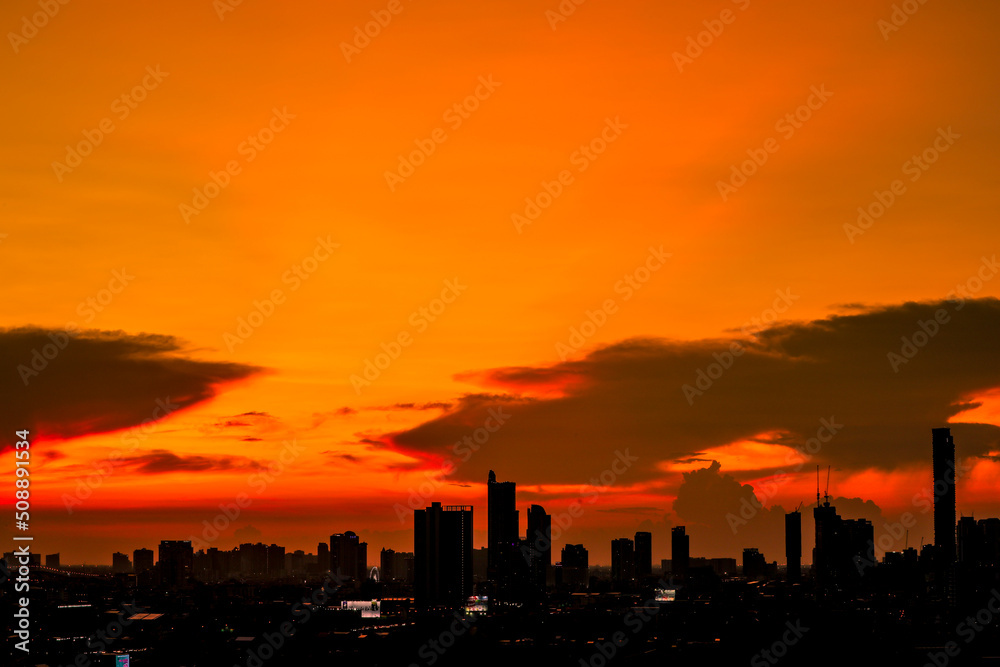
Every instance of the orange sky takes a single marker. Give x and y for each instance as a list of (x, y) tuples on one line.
[(315, 195)]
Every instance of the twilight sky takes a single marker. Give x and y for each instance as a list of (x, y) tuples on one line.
[(302, 265)]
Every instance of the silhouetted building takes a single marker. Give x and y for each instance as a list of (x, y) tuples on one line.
[(175, 560), (393, 565), (442, 553), (680, 550), (503, 539), (841, 544), (52, 560), (120, 563), (363, 570), (643, 554), (793, 545), (142, 560), (539, 546), (622, 561), (275, 560), (943, 451), (323, 556), (754, 563), (297, 562), (344, 555), (575, 566), (480, 564)]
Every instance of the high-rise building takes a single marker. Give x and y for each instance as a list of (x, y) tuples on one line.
[(623, 561), (323, 556), (575, 566), (120, 563), (175, 560), (142, 560), (363, 571), (52, 560), (680, 550), (345, 549), (943, 453), (442, 554), (539, 543), (503, 538), (840, 545), (754, 563), (643, 554), (793, 545), (275, 560)]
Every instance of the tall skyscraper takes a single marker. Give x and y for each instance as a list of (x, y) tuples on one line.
[(323, 556), (503, 538), (643, 554), (575, 566), (344, 552), (754, 563), (622, 561), (175, 560), (680, 550), (943, 452), (793, 545), (142, 560), (120, 563), (52, 560), (539, 542), (442, 554)]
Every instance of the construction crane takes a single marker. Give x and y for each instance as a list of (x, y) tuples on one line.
[(817, 485)]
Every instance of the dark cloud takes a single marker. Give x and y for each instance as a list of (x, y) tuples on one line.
[(722, 516), (98, 381), (790, 377), (415, 406), (250, 439), (161, 461)]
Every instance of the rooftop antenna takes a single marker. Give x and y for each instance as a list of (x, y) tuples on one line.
[(817, 485), (826, 496), (907, 540)]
